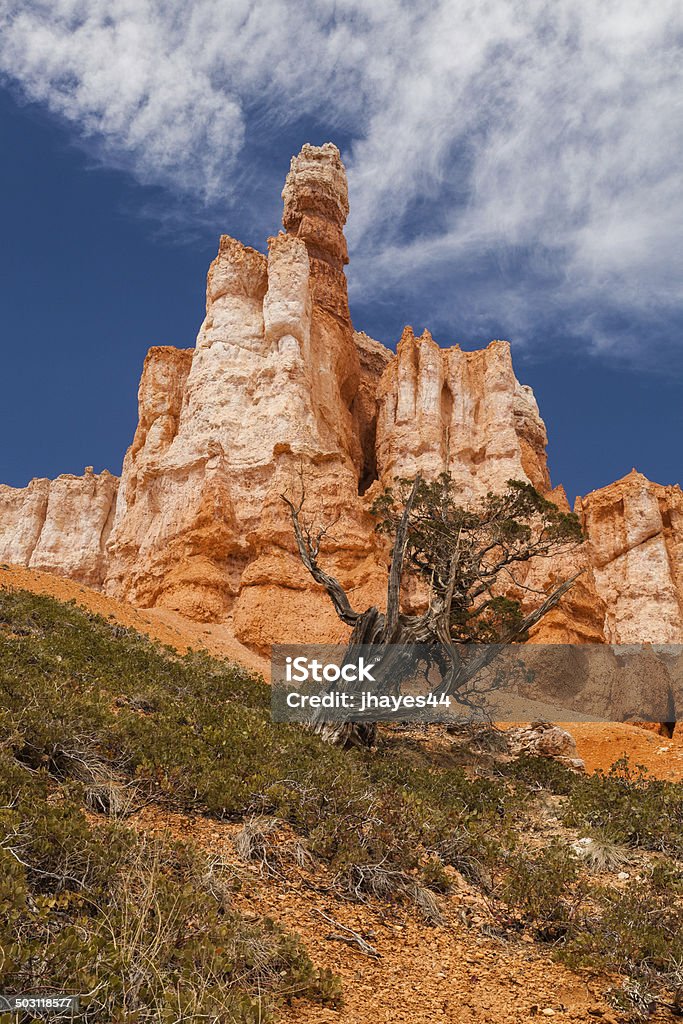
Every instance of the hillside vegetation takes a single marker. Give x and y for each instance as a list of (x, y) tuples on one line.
[(97, 721)]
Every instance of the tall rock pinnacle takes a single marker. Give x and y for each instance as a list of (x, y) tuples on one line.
[(316, 205)]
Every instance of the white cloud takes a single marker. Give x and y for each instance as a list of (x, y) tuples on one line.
[(481, 128)]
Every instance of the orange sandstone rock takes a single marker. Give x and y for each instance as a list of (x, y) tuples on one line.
[(262, 406), (461, 412), (59, 525), (635, 535)]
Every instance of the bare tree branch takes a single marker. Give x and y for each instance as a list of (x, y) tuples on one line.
[(396, 569), (544, 608), (308, 552)]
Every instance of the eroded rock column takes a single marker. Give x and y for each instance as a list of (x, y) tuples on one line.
[(461, 412)]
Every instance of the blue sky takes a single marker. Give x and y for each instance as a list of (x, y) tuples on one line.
[(514, 172)]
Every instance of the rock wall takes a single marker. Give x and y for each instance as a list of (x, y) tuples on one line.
[(279, 392), (635, 535), (445, 410), (374, 359), (61, 525), (631, 587)]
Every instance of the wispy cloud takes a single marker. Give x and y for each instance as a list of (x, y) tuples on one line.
[(546, 134)]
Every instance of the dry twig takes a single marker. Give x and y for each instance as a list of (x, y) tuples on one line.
[(350, 937)]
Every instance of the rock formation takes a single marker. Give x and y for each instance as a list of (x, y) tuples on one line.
[(279, 392), (461, 412), (269, 399), (59, 525), (635, 531)]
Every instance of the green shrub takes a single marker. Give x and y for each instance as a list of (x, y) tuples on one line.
[(543, 890), (542, 773), (196, 733), (630, 808), (434, 876), (637, 934)]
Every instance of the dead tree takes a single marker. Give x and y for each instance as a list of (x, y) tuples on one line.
[(465, 557)]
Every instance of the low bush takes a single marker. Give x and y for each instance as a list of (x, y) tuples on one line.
[(542, 773), (195, 733), (543, 890), (636, 933), (631, 808)]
